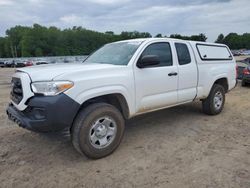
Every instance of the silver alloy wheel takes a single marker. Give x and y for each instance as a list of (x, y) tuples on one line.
[(102, 132), (218, 100)]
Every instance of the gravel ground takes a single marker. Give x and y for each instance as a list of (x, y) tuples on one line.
[(176, 147)]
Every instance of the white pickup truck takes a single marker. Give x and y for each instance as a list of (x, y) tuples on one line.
[(119, 81)]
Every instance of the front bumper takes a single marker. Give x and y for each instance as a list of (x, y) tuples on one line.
[(246, 78), (45, 113)]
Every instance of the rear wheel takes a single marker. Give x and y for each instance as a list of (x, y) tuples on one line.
[(214, 103), (97, 130)]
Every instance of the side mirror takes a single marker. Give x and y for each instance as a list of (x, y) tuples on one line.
[(148, 61)]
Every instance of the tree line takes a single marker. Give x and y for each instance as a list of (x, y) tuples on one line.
[(37, 41), (235, 41)]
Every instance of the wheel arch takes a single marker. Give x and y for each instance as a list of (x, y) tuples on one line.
[(223, 81), (118, 100), (204, 91)]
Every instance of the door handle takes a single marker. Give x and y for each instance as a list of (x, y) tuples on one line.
[(173, 74)]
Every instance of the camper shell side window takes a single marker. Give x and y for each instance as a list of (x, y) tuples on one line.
[(209, 52)]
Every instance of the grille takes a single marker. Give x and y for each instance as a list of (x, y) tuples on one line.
[(17, 91)]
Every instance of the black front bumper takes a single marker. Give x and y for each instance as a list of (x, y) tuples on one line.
[(45, 113), (246, 78)]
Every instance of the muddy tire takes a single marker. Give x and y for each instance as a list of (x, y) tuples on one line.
[(214, 103), (97, 130)]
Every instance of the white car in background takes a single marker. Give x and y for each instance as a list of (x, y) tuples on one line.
[(247, 52)]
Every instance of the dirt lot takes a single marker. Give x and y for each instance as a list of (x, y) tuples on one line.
[(177, 147)]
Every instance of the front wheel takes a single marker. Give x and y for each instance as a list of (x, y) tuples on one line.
[(97, 130), (214, 103)]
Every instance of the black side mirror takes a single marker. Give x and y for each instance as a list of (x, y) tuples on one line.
[(148, 61)]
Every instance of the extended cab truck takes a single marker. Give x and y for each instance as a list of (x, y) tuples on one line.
[(120, 80)]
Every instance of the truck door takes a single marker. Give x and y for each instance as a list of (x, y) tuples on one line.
[(156, 86), (188, 77)]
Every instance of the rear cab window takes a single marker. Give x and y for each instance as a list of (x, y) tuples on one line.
[(182, 53), (209, 52)]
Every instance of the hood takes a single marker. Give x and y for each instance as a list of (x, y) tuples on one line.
[(49, 72)]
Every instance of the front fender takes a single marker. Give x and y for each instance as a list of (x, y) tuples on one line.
[(106, 90)]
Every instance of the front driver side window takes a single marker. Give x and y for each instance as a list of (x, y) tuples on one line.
[(162, 50)]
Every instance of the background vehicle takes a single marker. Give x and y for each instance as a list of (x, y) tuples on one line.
[(66, 60), (119, 81), (28, 63), (40, 62), (241, 67), (246, 52), (10, 64), (15, 63), (2, 64), (247, 61), (236, 53), (246, 76), (19, 63)]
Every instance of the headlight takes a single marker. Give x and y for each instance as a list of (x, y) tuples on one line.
[(51, 88)]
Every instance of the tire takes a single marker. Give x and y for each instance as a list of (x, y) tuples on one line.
[(243, 83), (212, 105), (83, 133)]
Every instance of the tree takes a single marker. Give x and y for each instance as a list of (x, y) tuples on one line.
[(246, 40), (134, 34), (201, 37), (234, 41), (158, 35), (38, 52), (220, 38), (177, 36), (109, 32), (2, 51), (14, 36), (38, 40)]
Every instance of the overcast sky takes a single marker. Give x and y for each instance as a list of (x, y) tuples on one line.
[(185, 17)]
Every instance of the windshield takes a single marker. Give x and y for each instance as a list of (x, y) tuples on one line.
[(114, 53)]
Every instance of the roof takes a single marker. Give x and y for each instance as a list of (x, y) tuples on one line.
[(168, 39)]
